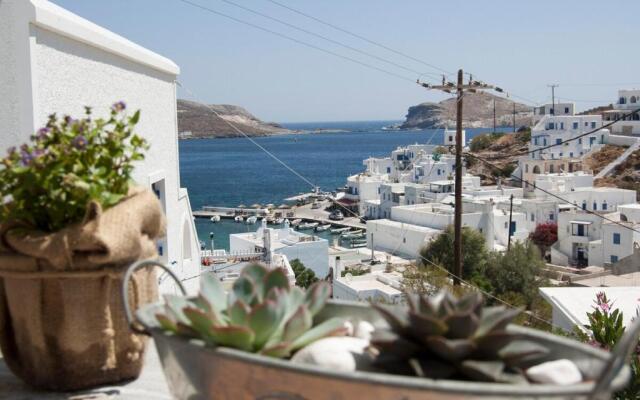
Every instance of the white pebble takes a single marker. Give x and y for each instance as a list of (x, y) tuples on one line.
[(340, 353), (364, 330), (558, 372)]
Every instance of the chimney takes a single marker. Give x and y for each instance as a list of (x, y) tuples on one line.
[(338, 268)]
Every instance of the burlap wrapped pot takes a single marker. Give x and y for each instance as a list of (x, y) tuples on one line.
[(62, 324)]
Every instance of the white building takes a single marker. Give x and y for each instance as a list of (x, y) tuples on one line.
[(555, 130), (552, 109), (54, 61), (362, 188), (586, 239), (312, 251), (450, 137), (570, 305), (399, 238), (628, 100)]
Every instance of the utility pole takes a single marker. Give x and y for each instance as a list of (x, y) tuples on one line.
[(553, 87), (459, 89), (494, 115), (510, 216)]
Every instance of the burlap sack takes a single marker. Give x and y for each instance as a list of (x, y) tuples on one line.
[(62, 324)]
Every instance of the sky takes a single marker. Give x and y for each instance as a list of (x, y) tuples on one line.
[(587, 47)]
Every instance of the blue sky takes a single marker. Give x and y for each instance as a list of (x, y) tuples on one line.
[(521, 46)]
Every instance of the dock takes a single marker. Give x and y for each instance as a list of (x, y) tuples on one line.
[(305, 213)]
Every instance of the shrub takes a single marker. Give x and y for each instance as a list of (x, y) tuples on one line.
[(305, 277), (69, 163), (544, 236)]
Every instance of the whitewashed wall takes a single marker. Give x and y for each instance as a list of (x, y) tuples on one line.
[(55, 61)]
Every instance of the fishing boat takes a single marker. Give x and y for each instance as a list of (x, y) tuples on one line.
[(215, 218), (337, 231), (352, 234), (251, 220), (296, 222), (322, 228), (238, 218), (308, 225)]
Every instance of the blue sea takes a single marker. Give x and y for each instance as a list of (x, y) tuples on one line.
[(233, 171)]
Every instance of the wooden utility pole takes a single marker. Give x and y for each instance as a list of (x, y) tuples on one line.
[(459, 89), (494, 115), (510, 219)]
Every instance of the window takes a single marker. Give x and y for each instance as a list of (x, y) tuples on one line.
[(560, 155), (579, 229), (551, 111), (535, 141), (561, 125), (450, 138), (544, 141), (526, 168), (592, 140), (575, 125), (533, 217), (584, 205), (404, 240), (566, 110), (632, 99), (571, 154), (558, 141), (614, 259), (622, 100), (388, 170), (551, 217), (595, 206), (579, 139), (593, 125), (551, 168), (604, 205), (616, 238)]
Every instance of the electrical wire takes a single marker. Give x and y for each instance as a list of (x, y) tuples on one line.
[(308, 32), (282, 35), (504, 171)]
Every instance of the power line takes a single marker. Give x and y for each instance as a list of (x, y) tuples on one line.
[(327, 38), (282, 35), (373, 42), (549, 193), (526, 152), (601, 84)]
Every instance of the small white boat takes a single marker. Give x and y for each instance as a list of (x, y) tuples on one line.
[(308, 225), (322, 228), (352, 234), (337, 231), (279, 221), (251, 220), (215, 218), (238, 218), (356, 245), (296, 222)]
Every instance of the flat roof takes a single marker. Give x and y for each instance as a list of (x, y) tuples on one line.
[(576, 302), (403, 225)]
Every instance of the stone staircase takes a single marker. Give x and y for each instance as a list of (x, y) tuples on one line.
[(609, 167)]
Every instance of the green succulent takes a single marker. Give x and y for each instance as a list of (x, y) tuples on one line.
[(262, 313), (445, 338)]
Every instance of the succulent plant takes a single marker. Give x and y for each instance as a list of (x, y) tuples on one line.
[(261, 314), (445, 338)]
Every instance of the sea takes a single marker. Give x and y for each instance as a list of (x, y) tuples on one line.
[(233, 171)]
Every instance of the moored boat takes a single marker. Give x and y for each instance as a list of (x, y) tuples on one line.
[(279, 221), (296, 222), (308, 225), (352, 234), (215, 218), (252, 219), (322, 228), (238, 218), (337, 231)]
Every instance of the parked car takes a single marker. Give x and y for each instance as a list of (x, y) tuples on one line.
[(316, 205), (336, 216)]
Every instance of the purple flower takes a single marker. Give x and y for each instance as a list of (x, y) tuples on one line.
[(68, 120), (11, 150), (119, 106), (79, 142), (26, 158), (43, 133)]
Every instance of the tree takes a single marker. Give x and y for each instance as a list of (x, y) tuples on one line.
[(305, 277), (474, 253), (516, 271), (544, 236)]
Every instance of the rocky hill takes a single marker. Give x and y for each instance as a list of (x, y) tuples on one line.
[(477, 113), (196, 120)]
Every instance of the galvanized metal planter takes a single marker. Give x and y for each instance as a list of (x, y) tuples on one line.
[(194, 371)]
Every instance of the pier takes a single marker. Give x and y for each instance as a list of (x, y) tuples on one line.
[(304, 212)]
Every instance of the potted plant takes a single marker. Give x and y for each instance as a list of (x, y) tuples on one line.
[(71, 220), (438, 348)]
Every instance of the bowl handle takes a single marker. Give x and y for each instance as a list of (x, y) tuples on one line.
[(619, 357), (131, 321)]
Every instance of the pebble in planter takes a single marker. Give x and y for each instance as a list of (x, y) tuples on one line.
[(262, 313), (447, 338)]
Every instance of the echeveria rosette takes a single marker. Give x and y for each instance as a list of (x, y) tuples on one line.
[(445, 338), (263, 313), (48, 183)]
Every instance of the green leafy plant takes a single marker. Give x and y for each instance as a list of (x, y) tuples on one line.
[(261, 314), (69, 163), (605, 329), (305, 277), (442, 337)]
